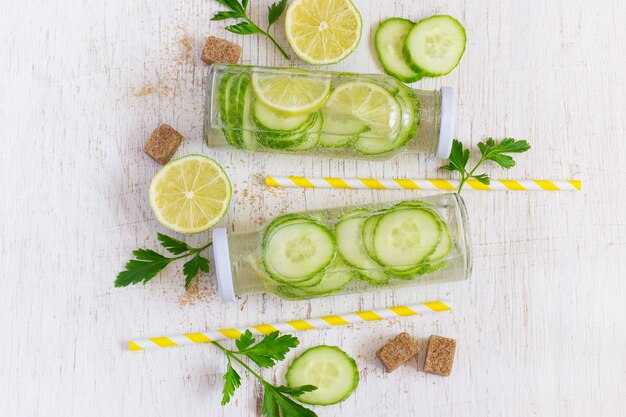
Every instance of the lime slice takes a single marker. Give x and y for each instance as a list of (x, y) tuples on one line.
[(323, 32), (368, 103), (291, 93), (190, 194)]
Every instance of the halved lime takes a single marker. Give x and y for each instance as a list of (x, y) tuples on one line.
[(368, 103), (291, 93), (323, 32), (190, 194)]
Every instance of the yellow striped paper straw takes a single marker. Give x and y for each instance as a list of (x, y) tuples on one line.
[(422, 184), (289, 326)]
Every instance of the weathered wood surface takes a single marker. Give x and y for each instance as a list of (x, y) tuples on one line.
[(541, 324)]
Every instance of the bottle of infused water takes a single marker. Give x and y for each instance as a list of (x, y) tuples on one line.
[(347, 250), (333, 114)]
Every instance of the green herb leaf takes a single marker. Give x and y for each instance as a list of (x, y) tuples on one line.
[(174, 246), (232, 381), (193, 266), (497, 152), (274, 12), (483, 178), (458, 157), (233, 5), (275, 402), (146, 266), (245, 340), (226, 15), (296, 391), (245, 4), (270, 349), (243, 28)]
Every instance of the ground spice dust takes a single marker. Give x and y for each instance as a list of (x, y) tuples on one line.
[(199, 290)]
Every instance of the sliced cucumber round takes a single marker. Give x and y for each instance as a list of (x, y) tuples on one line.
[(368, 235), (312, 138), (330, 369), (404, 238), (334, 278), (389, 41), (248, 138), (349, 235), (410, 118), (434, 46), (270, 119), (236, 110), (295, 250), (339, 130), (283, 140)]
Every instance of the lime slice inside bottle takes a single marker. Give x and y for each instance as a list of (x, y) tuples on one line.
[(293, 94), (323, 32), (190, 194), (368, 103)]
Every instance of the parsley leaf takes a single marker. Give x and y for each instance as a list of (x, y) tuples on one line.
[(148, 263), (193, 266), (247, 26), (146, 266), (270, 349), (174, 246), (245, 341), (489, 151), (232, 381), (274, 12), (274, 401), (243, 28)]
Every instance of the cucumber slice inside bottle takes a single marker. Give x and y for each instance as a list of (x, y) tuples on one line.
[(337, 276), (404, 238), (368, 236), (236, 109), (295, 250), (270, 119), (248, 138), (434, 46), (330, 369), (350, 246), (410, 118), (312, 138), (389, 41), (284, 140), (338, 130)]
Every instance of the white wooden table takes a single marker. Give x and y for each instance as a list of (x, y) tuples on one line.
[(541, 324)]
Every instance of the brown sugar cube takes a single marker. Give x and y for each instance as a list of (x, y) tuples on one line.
[(162, 143), (397, 351), (440, 355), (220, 51)]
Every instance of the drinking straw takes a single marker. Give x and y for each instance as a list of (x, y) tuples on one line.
[(289, 326), (421, 184)]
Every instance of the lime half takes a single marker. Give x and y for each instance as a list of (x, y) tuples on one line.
[(360, 101), (323, 32), (293, 94), (190, 194)]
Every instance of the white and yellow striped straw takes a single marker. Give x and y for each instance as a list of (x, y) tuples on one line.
[(422, 184), (289, 326)]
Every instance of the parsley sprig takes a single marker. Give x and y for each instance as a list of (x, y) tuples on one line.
[(248, 27), (489, 151), (266, 353), (148, 263)]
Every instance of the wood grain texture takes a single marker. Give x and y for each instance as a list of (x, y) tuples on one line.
[(541, 324)]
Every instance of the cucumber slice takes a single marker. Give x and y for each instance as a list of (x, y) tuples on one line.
[(389, 40), (349, 234), (226, 97), (368, 236), (312, 137), (248, 138), (330, 369), (336, 277), (283, 140), (410, 118), (270, 119), (435, 45), (297, 249), (236, 106), (404, 238), (339, 130)]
